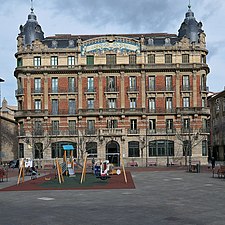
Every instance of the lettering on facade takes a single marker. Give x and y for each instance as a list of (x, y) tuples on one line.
[(116, 46)]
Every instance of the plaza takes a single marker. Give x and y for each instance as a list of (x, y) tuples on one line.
[(160, 197)]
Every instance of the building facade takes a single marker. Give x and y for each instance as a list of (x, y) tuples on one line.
[(217, 110), (140, 97), (8, 133)]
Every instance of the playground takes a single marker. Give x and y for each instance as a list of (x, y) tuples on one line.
[(69, 175), (50, 182)]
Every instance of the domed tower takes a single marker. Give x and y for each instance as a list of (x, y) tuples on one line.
[(31, 30), (190, 27)]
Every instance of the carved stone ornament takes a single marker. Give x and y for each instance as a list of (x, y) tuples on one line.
[(185, 42)]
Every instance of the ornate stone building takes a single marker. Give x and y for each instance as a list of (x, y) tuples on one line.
[(8, 133), (217, 118), (140, 96)]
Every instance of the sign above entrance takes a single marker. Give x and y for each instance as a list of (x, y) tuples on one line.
[(117, 46)]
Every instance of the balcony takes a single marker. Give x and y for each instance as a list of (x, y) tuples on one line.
[(133, 131), (193, 110), (31, 113), (19, 92), (186, 88), (62, 90), (112, 131), (37, 91), (112, 89), (133, 89), (161, 131), (116, 67)]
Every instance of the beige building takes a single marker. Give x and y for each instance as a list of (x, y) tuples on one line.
[(139, 96), (8, 134)]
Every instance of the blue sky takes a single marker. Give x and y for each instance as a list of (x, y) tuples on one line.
[(107, 17)]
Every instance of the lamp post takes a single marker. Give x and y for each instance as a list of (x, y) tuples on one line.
[(1, 81)]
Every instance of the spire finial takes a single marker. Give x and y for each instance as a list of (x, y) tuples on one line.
[(32, 6), (189, 6)]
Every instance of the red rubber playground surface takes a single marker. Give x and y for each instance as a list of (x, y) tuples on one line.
[(50, 182)]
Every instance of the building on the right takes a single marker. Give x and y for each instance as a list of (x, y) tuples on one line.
[(217, 111)]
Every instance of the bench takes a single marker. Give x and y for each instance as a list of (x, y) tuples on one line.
[(152, 163), (220, 172), (48, 167), (195, 166), (132, 164)]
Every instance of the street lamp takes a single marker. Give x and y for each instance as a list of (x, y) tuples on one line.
[(1, 81)]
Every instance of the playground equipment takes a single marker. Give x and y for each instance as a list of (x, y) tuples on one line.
[(103, 169), (67, 167), (26, 168)]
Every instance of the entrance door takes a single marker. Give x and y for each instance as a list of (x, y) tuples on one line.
[(113, 153)]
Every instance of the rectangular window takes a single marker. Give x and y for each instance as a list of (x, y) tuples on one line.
[(151, 83), (133, 126), (133, 103), (132, 59), (169, 126), (169, 104), (54, 61), (37, 105), (111, 83), (91, 148), (37, 61), (90, 84), (110, 59), (71, 61), (204, 148), (151, 59), (185, 58), (168, 58), (112, 123), (204, 102), (112, 103), (169, 83), (38, 130), (71, 84), (205, 126), (203, 59), (72, 106), (133, 149), (72, 127), (38, 150), (203, 83), (90, 59), (90, 104), (37, 85), (187, 148), (55, 127), (152, 126), (186, 102), (21, 150), (90, 127), (19, 62), (55, 107), (21, 129), (54, 85), (132, 83), (151, 105), (186, 83), (186, 125)]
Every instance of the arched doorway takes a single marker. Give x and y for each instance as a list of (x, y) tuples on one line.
[(113, 153)]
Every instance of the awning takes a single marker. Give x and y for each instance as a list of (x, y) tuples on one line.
[(68, 147)]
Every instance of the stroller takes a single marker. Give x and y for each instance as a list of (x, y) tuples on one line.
[(34, 173)]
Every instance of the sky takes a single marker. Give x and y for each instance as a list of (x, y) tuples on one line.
[(110, 17)]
